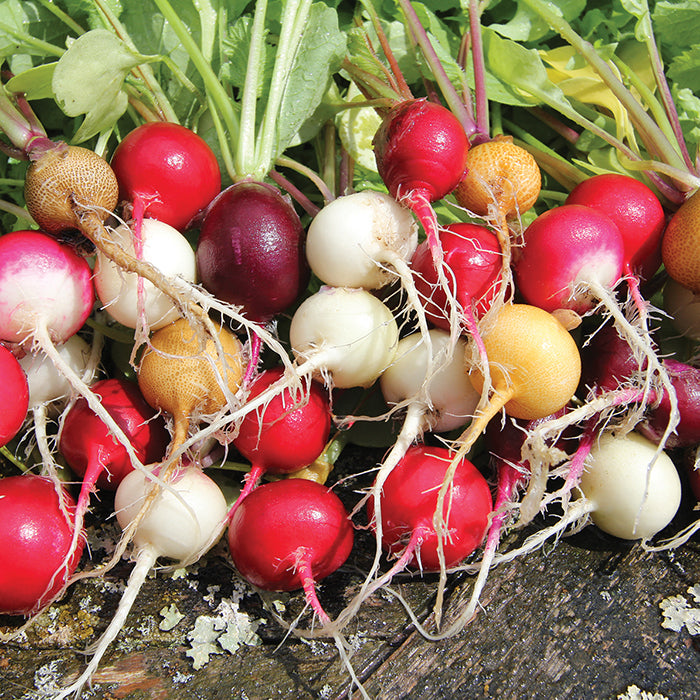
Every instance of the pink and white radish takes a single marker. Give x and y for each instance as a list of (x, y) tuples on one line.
[(179, 520), (585, 255), (46, 294), (37, 526)]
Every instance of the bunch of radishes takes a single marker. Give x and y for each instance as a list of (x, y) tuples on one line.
[(531, 330)]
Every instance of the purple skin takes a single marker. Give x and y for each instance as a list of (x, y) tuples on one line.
[(608, 362), (251, 250)]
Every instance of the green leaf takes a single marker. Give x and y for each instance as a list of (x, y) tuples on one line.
[(677, 22), (527, 26), (319, 56), (685, 69), (89, 79), (520, 71), (35, 83)]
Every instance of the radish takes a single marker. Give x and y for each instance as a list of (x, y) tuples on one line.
[(46, 294), (473, 263), (302, 533), (167, 170), (440, 402), (585, 252), (90, 450), (250, 250), (131, 300), (363, 239), (502, 183), (344, 334), (37, 525), (679, 245), (421, 151), (502, 180), (188, 379), (286, 434), (409, 501), (180, 521), (635, 210), (630, 493), (50, 389), (15, 396)]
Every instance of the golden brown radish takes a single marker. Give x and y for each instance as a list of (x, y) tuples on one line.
[(185, 377)]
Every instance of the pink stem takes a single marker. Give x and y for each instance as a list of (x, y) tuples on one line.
[(418, 202), (255, 350), (252, 479), (309, 584)]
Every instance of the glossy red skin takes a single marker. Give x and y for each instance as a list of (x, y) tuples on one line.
[(171, 168), (36, 537), (86, 443), (278, 439), (635, 209), (14, 396), (473, 254), (421, 147), (409, 500), (566, 245), (251, 250), (282, 522)]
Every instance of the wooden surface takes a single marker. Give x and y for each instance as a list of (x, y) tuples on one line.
[(579, 619)]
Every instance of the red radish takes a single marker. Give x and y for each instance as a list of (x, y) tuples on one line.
[(179, 519), (635, 210), (250, 250), (288, 433), (472, 265), (14, 396), (88, 446), (409, 501), (36, 525), (473, 256), (290, 534), (170, 169), (421, 150)]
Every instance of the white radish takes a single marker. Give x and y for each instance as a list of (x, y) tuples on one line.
[(633, 491), (125, 295), (180, 522), (344, 334)]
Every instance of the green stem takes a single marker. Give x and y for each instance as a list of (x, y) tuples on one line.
[(58, 12), (294, 19), (652, 136), (13, 460), (43, 46), (20, 212), (245, 154)]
